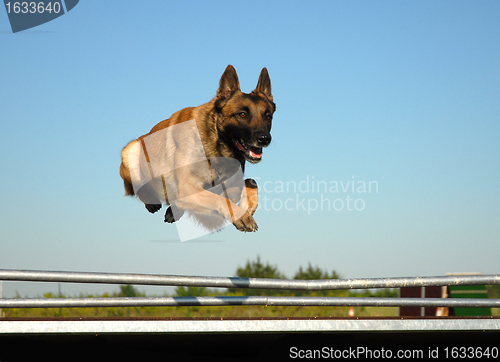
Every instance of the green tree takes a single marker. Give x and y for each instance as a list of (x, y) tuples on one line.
[(129, 291), (315, 273), (190, 291)]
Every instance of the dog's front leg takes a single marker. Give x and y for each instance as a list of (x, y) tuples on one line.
[(195, 199), (251, 201), (192, 196), (252, 195)]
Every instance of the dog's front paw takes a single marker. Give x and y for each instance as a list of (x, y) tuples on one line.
[(246, 223)]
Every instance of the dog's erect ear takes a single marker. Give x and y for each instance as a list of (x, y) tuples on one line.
[(264, 85), (228, 83)]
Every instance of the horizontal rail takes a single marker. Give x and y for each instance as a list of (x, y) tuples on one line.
[(235, 282), (242, 301)]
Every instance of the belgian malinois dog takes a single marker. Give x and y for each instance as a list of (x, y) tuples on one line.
[(188, 160)]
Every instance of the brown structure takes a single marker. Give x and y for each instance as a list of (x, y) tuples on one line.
[(419, 292)]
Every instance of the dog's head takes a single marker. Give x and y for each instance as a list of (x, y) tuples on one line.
[(245, 119)]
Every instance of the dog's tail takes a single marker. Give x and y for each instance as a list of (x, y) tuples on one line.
[(125, 171)]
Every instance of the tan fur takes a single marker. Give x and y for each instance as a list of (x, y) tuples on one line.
[(234, 125)]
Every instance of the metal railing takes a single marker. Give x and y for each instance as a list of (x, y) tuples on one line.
[(253, 283)]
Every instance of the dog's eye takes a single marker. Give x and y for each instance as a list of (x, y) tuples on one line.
[(268, 117), (242, 114)]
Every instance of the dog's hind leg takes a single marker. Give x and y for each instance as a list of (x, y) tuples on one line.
[(170, 217), (147, 194), (152, 208)]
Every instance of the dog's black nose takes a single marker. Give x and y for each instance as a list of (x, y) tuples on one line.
[(264, 139)]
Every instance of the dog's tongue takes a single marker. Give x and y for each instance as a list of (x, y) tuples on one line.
[(255, 152)]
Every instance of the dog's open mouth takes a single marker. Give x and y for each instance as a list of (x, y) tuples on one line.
[(252, 154)]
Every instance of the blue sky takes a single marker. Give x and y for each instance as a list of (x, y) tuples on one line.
[(401, 94)]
